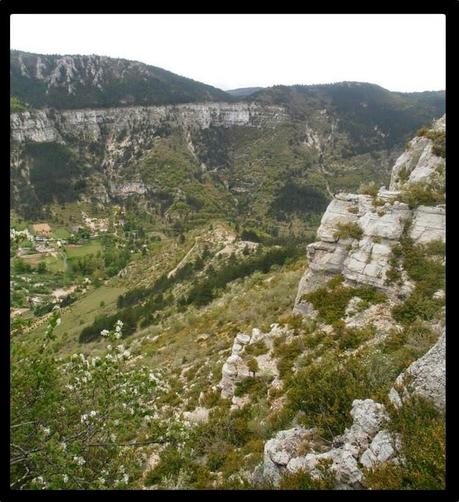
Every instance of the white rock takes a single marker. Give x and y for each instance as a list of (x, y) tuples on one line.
[(429, 224), (425, 377), (197, 416), (243, 339), (383, 448)]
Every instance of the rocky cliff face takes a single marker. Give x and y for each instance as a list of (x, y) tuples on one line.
[(358, 232), (357, 237), (102, 124), (367, 443), (112, 140)]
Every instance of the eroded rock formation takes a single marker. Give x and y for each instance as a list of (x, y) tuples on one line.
[(357, 231)]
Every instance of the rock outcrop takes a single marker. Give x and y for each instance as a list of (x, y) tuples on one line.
[(236, 369), (105, 123), (283, 453), (419, 162), (426, 377), (366, 443), (356, 239), (357, 232)]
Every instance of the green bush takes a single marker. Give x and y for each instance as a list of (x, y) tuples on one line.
[(257, 348), (422, 194), (423, 448), (331, 303), (348, 231), (417, 306), (286, 353), (369, 189), (170, 464), (302, 480), (250, 385), (16, 105), (324, 391), (351, 338)]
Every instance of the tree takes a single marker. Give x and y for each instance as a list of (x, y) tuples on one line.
[(252, 364), (42, 269), (73, 420), (20, 266)]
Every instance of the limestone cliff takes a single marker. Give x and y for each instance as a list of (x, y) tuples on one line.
[(357, 238), (105, 123), (358, 231)]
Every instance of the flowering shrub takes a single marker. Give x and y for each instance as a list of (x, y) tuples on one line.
[(82, 422)]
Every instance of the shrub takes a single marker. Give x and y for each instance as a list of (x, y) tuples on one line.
[(287, 353), (302, 480), (422, 429), (422, 194), (348, 231), (170, 464), (257, 348), (403, 174), (392, 275), (369, 189), (250, 385), (325, 390), (331, 303), (252, 365), (417, 306), (351, 338)]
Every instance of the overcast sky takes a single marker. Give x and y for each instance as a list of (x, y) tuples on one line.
[(398, 52)]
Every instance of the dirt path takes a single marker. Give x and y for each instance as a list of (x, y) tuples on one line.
[(182, 261)]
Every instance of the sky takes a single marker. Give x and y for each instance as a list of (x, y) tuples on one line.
[(401, 52)]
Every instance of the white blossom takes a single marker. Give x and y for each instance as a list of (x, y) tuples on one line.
[(79, 460)]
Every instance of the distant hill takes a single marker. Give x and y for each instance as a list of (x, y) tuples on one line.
[(99, 81), (244, 91), (359, 106)]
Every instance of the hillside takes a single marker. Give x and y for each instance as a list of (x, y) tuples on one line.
[(360, 107), (74, 81), (243, 91), (214, 382), (270, 160), (215, 290)]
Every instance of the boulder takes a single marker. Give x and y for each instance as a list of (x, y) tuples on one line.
[(198, 416), (383, 448), (426, 377)]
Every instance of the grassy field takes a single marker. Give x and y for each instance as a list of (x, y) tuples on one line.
[(53, 263), (89, 248), (81, 314), (56, 263), (61, 233)]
